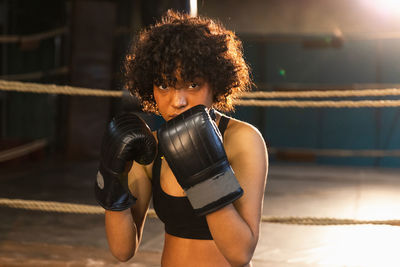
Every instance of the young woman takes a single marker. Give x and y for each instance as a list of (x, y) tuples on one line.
[(205, 171)]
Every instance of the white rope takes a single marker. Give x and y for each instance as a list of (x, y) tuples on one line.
[(320, 104), (337, 152), (22, 150), (55, 89), (69, 90), (32, 37), (35, 75), (53, 206), (321, 93)]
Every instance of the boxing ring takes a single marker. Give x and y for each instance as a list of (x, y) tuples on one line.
[(313, 215)]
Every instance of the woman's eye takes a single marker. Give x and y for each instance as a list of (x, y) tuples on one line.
[(163, 87), (193, 85)]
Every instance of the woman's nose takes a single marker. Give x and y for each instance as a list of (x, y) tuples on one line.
[(179, 99)]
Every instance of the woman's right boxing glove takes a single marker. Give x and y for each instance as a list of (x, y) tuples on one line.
[(127, 139)]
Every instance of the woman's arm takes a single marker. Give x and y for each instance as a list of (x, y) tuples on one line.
[(235, 228), (124, 228)]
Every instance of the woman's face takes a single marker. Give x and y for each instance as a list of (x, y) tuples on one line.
[(173, 100)]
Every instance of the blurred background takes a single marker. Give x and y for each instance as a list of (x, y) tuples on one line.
[(324, 162), (290, 45)]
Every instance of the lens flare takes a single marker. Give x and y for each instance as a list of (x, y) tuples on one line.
[(384, 7), (193, 8)]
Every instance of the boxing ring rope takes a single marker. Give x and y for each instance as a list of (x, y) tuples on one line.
[(25, 149), (60, 207), (338, 152), (320, 104), (35, 75), (325, 93), (51, 206), (33, 37), (70, 90), (22, 150), (38, 88)]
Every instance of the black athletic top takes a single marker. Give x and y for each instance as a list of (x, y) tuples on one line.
[(176, 212)]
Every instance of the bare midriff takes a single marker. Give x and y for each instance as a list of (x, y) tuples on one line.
[(191, 252)]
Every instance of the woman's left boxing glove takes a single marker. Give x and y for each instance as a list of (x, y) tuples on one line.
[(127, 139), (192, 146)]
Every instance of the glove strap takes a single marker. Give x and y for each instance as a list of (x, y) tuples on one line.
[(110, 193), (214, 193)]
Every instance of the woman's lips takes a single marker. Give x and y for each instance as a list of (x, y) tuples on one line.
[(172, 116)]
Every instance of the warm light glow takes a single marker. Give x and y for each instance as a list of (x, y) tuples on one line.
[(370, 196), (193, 8), (330, 246), (367, 246), (361, 245), (379, 205), (385, 7)]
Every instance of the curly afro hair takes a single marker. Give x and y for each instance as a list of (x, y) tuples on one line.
[(193, 46)]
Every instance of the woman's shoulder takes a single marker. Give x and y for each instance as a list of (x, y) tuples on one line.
[(242, 135), (237, 128), (247, 154)]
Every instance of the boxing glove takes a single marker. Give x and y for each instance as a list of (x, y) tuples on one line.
[(126, 139), (192, 145)]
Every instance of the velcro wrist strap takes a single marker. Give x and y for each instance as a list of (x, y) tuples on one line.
[(110, 193), (112, 176), (214, 193)]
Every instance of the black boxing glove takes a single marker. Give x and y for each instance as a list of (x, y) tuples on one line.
[(192, 145), (127, 139)]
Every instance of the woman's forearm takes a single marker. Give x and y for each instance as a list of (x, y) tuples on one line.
[(232, 235), (121, 234)]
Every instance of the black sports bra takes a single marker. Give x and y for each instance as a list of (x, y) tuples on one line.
[(176, 212)]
